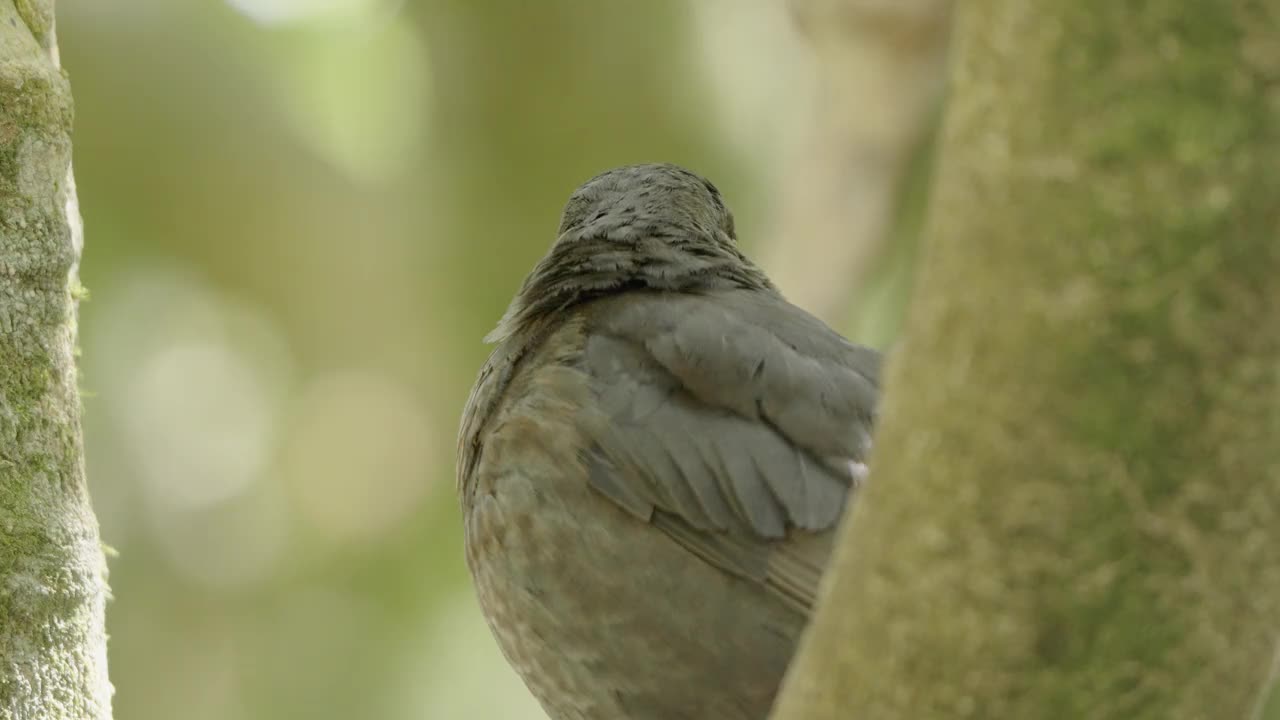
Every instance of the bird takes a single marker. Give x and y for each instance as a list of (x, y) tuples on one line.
[(654, 459)]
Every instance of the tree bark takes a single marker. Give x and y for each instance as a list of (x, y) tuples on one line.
[(1074, 508), (53, 659)]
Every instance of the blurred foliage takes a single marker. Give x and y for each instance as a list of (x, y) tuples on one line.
[(301, 216)]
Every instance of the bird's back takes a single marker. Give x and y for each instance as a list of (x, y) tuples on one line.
[(606, 613), (653, 461)]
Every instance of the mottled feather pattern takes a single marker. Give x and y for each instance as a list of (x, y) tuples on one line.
[(654, 460), (572, 586)]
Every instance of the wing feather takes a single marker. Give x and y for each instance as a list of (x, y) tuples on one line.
[(735, 422)]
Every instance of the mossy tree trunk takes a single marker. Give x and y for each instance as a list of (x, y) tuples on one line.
[(1074, 510), (53, 659)]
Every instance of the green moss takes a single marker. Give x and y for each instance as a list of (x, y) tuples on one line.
[(38, 17), (1077, 462), (36, 100), (51, 568)]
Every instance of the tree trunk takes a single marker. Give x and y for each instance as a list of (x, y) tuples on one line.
[(53, 658), (1074, 510)]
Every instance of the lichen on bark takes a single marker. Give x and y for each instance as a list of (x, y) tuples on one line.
[(1074, 508), (52, 569)]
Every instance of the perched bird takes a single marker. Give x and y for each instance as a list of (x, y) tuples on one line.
[(654, 459)]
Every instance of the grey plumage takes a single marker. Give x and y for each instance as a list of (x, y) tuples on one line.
[(653, 393)]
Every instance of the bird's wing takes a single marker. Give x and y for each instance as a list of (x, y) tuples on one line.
[(735, 422)]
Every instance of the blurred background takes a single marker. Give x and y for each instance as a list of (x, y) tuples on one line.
[(302, 216)]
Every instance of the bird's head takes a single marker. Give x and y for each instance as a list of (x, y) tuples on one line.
[(649, 227), (655, 200)]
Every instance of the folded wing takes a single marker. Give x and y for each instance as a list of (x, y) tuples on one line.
[(735, 422)]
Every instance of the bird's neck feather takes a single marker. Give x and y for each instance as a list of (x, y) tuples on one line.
[(588, 268)]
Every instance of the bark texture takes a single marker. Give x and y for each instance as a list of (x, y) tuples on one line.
[(53, 659), (1074, 508)]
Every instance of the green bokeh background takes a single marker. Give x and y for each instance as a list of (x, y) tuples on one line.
[(301, 217)]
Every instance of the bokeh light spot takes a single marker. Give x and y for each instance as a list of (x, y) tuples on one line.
[(357, 458), (280, 12), (356, 96)]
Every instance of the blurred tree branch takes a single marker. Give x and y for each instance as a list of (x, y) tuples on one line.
[(881, 67), (1074, 509), (53, 659)]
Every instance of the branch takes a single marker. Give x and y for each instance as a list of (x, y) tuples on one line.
[(53, 660)]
